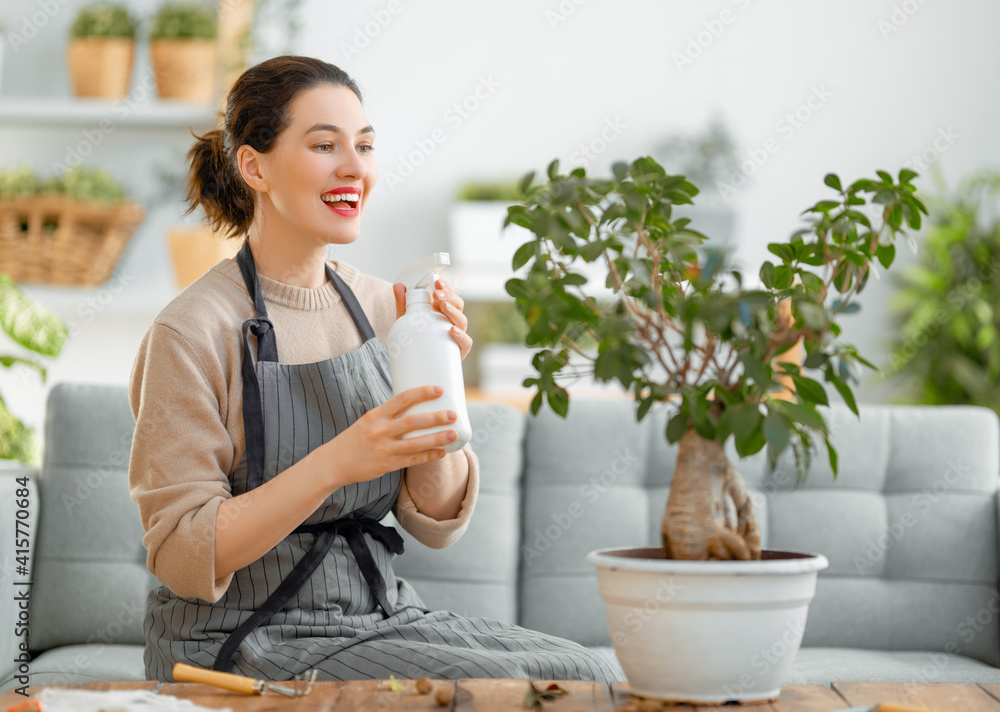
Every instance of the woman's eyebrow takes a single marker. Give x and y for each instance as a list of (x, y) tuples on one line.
[(336, 129)]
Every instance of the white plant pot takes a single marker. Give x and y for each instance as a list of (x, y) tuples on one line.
[(705, 632)]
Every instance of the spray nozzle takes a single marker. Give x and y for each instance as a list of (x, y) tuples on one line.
[(420, 276)]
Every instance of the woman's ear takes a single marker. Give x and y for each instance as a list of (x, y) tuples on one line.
[(249, 163)]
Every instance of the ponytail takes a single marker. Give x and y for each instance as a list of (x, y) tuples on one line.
[(214, 184)]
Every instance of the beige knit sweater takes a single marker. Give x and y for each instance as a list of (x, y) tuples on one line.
[(186, 396)]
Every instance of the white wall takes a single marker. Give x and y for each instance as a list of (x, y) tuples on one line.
[(552, 76)]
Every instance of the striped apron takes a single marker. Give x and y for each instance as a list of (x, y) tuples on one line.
[(325, 597)]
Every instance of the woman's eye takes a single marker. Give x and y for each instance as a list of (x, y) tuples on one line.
[(325, 145), (366, 148)]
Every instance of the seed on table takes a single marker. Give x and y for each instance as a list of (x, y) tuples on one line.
[(425, 686), (444, 696)]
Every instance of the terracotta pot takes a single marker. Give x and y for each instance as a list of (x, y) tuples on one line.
[(184, 69), (100, 67), (195, 250), (698, 631)]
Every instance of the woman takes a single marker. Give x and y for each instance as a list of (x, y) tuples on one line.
[(268, 444)]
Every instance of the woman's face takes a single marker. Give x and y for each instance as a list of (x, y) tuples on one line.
[(326, 149)]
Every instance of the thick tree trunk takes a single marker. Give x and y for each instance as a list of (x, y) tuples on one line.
[(709, 514)]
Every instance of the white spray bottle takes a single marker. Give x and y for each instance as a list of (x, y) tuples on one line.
[(423, 353)]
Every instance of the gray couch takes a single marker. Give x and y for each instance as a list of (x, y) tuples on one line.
[(909, 527)]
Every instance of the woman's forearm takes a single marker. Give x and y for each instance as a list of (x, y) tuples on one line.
[(251, 524), (438, 487)]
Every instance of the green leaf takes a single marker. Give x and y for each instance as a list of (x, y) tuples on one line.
[(553, 169), (8, 361), (620, 170), (524, 253), (676, 427), (906, 175), (767, 274), (833, 457), (559, 400), (832, 180), (815, 360), (526, 181), (810, 390), (782, 250), (777, 431), (805, 414), (886, 254), (884, 176), (755, 369), (845, 392)]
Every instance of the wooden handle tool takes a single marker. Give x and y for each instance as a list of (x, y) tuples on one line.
[(225, 680)]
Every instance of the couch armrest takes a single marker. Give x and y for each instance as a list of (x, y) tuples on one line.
[(15, 591)]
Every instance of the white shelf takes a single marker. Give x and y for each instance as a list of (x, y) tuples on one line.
[(66, 111)]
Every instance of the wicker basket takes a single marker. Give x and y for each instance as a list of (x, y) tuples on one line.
[(100, 67), (184, 69), (53, 239)]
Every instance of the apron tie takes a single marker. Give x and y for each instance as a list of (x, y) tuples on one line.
[(353, 531)]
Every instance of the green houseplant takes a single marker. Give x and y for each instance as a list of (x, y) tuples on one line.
[(101, 51), (684, 332), (948, 347), (182, 45), (39, 331)]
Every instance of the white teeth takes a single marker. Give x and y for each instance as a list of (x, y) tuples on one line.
[(333, 198)]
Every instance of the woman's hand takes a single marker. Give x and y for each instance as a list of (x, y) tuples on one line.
[(373, 444), (448, 303)]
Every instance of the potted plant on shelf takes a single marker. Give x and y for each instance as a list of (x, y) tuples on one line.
[(683, 332), (183, 51), (101, 51), (69, 230), (38, 331), (948, 347)]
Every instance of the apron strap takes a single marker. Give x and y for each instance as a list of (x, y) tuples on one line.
[(353, 306), (353, 530)]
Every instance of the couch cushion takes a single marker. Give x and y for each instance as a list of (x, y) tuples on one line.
[(821, 666), (78, 664), (477, 575), (90, 576), (909, 527)]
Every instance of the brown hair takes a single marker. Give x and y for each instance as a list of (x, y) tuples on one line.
[(256, 114)]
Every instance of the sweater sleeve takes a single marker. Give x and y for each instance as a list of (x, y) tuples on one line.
[(181, 454), (432, 532)]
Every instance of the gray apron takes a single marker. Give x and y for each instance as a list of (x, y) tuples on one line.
[(325, 597)]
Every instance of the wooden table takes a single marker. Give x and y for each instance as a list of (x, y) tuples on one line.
[(483, 695)]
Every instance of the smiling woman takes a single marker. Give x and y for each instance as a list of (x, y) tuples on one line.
[(261, 479)]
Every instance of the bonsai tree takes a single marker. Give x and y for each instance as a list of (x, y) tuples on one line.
[(183, 20), (688, 330), (102, 19)]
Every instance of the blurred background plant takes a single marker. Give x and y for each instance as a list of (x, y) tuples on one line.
[(184, 20), (948, 308), (704, 158), (77, 182), (103, 20), (38, 331), (494, 190)]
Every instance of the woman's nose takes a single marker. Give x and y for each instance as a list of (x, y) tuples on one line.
[(352, 166)]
